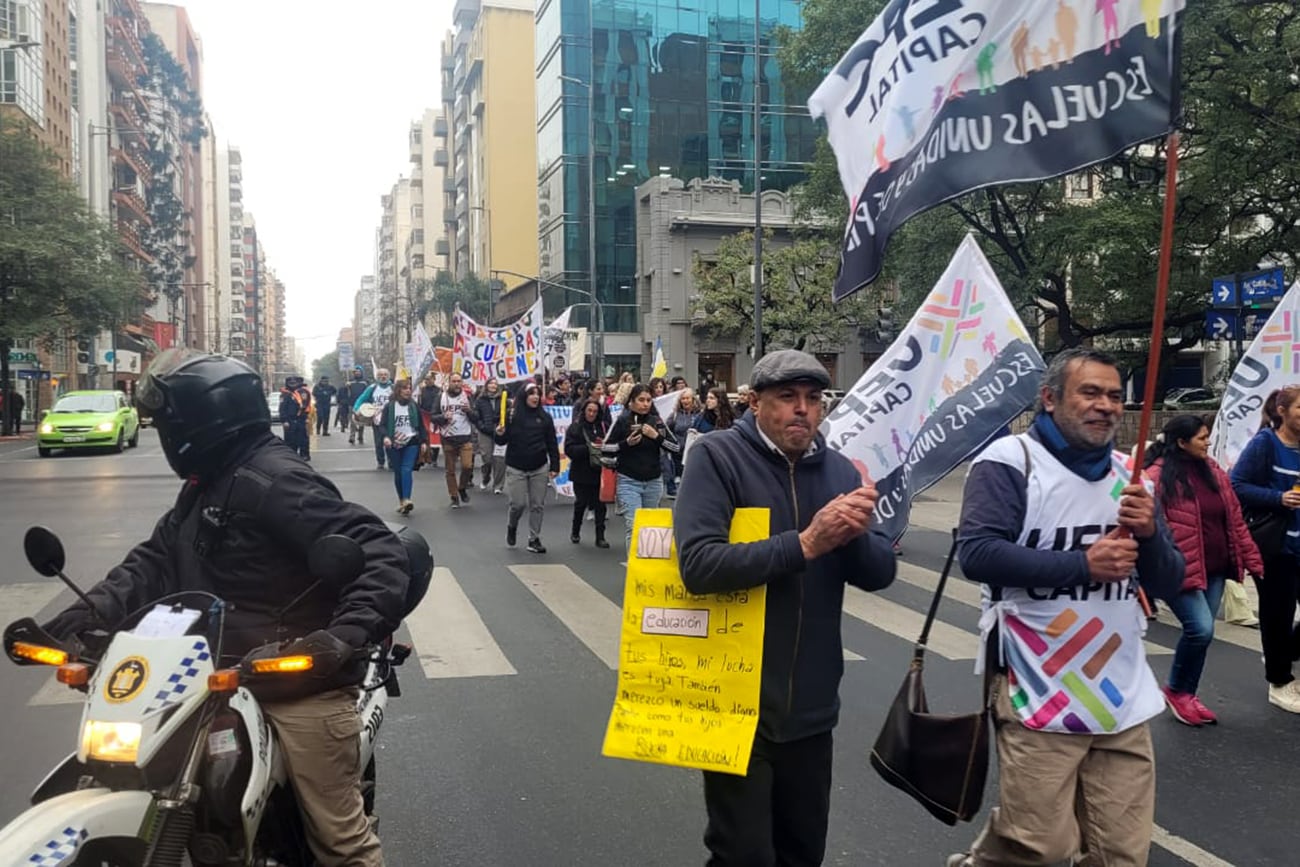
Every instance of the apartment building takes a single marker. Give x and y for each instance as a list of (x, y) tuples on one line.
[(490, 202), (394, 304), (365, 321), (428, 248)]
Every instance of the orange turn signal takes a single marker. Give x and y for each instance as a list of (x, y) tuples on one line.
[(39, 653), (224, 680), (282, 664), (73, 674)]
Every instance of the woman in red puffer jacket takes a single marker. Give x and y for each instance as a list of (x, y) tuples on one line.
[(1205, 518)]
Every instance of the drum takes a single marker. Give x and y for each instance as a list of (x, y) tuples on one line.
[(365, 413)]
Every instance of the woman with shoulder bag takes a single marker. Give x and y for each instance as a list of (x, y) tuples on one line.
[(1205, 519), (402, 433), (582, 442), (1266, 478)]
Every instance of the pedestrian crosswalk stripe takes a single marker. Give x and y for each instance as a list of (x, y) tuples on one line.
[(449, 637), (905, 623), (582, 608), (968, 593), (26, 600)]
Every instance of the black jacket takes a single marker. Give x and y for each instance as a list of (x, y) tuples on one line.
[(275, 508), (430, 399), (324, 397), (803, 656), (294, 409), (488, 410), (530, 439), (640, 461), (579, 442), (353, 390)]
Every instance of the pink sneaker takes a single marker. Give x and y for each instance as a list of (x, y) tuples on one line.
[(1207, 716), (1183, 706)]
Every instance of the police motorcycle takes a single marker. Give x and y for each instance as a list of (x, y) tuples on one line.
[(176, 765)]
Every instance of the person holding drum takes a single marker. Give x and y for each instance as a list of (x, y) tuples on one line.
[(377, 396)]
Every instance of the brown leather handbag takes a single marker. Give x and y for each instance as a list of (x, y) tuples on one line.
[(941, 760)]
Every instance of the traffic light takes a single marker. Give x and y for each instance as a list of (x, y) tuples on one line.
[(83, 350), (885, 325)]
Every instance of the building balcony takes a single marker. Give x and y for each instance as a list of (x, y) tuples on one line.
[(126, 114), (449, 217), (122, 30), (448, 184), (130, 201), (465, 12), (440, 127), (440, 157), (448, 62), (130, 238), (442, 247), (120, 70), (131, 160), (417, 150)]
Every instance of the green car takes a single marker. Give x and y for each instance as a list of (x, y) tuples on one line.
[(89, 419)]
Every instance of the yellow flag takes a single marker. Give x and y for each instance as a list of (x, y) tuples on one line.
[(661, 364), (690, 666)]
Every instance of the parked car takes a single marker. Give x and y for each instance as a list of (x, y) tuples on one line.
[(1191, 398), (89, 419)]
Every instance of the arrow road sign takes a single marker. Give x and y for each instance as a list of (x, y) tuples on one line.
[(1220, 325), (1223, 293), (1262, 285)]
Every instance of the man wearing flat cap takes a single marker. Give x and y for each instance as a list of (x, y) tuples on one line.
[(820, 539)]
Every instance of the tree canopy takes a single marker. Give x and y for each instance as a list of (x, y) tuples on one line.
[(797, 308), (1088, 268), (61, 267)]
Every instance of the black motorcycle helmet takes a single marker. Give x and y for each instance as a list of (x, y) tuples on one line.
[(199, 403)]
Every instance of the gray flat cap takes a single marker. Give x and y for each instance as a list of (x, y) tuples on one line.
[(788, 365)]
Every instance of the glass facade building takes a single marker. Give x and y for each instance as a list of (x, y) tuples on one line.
[(673, 90)]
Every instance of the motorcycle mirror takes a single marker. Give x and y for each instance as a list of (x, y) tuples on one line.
[(44, 551), (335, 560)]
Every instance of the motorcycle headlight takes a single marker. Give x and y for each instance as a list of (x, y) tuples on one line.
[(111, 741), (104, 426), (47, 428)]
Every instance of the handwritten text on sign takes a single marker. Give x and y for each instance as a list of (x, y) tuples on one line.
[(690, 666)]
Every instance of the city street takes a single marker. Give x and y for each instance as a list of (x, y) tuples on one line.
[(492, 754)]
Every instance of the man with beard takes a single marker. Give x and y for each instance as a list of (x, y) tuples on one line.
[(1062, 539), (821, 539), (378, 394), (455, 421)]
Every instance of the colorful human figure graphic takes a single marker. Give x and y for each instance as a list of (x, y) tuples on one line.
[(907, 115), (991, 345), (1067, 28), (1109, 23), (863, 472), (955, 90), (880, 452), (937, 103), (1019, 47), (898, 445), (1054, 53), (1036, 58), (1151, 13), (882, 161), (949, 386), (933, 406), (984, 66), (972, 369)]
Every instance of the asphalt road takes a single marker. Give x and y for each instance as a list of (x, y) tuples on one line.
[(492, 755)]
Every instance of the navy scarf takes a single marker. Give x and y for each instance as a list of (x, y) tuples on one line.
[(1091, 464)]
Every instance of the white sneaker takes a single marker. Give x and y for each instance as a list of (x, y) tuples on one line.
[(1286, 697)]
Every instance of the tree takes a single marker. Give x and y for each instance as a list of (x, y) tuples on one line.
[(436, 300), (797, 308), (60, 265), (1088, 269), (326, 365)]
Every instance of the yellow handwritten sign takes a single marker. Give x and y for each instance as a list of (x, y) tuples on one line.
[(690, 666)]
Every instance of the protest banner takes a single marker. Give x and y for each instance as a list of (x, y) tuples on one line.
[(422, 356), (935, 100), (346, 359), (690, 666), (960, 371), (1272, 361), (510, 353), (562, 416)]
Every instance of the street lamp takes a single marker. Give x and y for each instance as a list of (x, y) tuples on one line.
[(597, 314), (598, 325)]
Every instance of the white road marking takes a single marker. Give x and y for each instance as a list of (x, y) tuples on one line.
[(449, 637), (27, 600), (905, 623), (582, 608), (1185, 849)]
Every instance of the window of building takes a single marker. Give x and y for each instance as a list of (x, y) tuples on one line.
[(1079, 186), (718, 368)]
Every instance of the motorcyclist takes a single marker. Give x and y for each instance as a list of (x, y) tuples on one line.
[(241, 528)]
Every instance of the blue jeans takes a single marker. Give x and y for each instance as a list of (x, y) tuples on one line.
[(1195, 609), (668, 473), (378, 434), (403, 463), (633, 494)]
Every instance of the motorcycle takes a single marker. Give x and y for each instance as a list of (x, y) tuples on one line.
[(177, 765)]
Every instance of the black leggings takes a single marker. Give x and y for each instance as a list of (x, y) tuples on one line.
[(1278, 593), (588, 497)]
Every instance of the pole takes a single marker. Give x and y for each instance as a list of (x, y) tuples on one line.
[(758, 188), (597, 327), (1162, 294), (1241, 312)]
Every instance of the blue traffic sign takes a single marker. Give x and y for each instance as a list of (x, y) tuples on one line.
[(1220, 325), (1252, 322), (1262, 286), (1223, 293)]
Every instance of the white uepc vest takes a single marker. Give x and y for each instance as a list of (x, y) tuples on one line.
[(380, 397), (1074, 654)]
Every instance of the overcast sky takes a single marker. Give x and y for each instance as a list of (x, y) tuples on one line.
[(319, 98)]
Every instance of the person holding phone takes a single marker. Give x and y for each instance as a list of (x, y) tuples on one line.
[(635, 442)]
